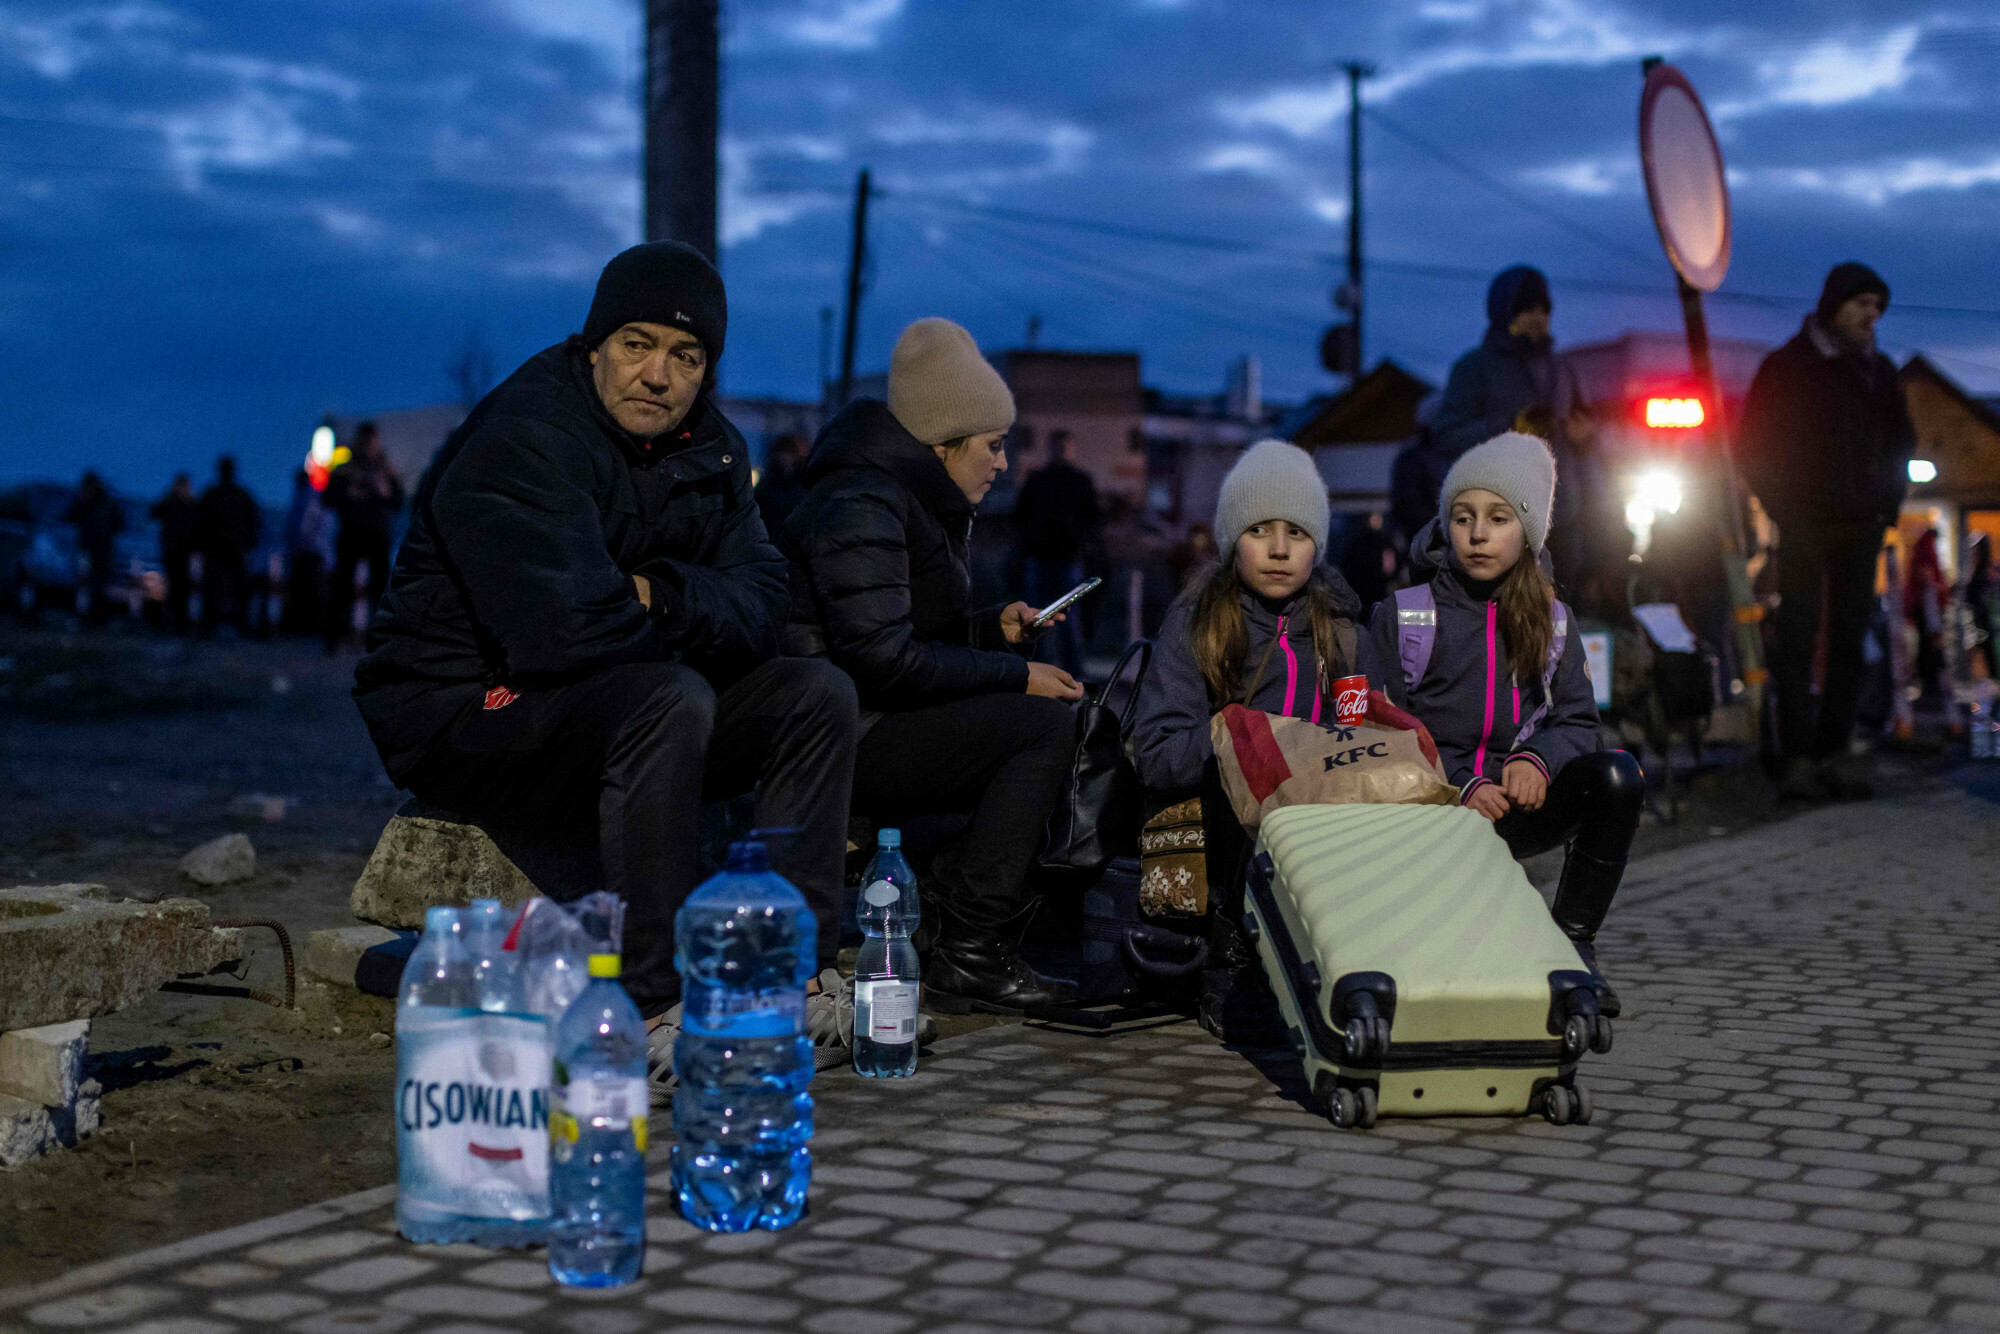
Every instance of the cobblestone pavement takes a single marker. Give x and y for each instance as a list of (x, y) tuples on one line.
[(1797, 1130)]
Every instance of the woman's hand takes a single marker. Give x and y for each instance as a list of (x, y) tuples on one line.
[(1488, 800), (1524, 784), (1017, 618), (1045, 678)]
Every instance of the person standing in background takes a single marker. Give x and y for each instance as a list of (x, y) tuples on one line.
[(1058, 516), (179, 516), (1825, 444), (1367, 563), (308, 552), (98, 520), (227, 527), (365, 494), (782, 483), (1924, 600)]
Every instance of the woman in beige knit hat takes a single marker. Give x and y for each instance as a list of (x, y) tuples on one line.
[(957, 719)]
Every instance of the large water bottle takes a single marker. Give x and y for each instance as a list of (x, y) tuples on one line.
[(745, 944), (886, 974), (495, 969), (597, 1176), (472, 1102)]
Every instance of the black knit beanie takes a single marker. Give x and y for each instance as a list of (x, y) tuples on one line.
[(1843, 284), (660, 282), (1514, 290)]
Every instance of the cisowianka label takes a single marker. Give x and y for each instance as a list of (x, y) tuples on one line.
[(891, 1008), (472, 1112)]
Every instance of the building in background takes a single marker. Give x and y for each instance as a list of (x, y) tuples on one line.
[(1094, 399), (1355, 435), (1955, 476)]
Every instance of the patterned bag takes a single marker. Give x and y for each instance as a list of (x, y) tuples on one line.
[(1173, 862)]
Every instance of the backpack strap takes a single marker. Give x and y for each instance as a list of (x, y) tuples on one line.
[(1416, 631), (1557, 643)]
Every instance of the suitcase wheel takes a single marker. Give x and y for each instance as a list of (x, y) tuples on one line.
[(1563, 1105), (1347, 1108), (1600, 1038), (1366, 1120), (1577, 1035)]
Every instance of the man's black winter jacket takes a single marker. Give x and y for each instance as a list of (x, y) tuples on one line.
[(1826, 434), (880, 581), (527, 530)]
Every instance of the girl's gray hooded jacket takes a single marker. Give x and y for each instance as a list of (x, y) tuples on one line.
[(1468, 697), (1170, 736)]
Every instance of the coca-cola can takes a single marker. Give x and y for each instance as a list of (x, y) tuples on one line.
[(1350, 699)]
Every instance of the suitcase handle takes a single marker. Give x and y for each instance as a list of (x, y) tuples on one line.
[(1157, 938)]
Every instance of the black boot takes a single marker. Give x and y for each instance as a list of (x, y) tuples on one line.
[(1583, 897), (1236, 1001), (979, 969)]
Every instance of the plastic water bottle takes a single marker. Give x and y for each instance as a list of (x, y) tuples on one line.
[(472, 1102), (886, 973), (597, 1176), (745, 944), (495, 971), (1979, 725)]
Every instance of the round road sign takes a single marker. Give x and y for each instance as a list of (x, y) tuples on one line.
[(1684, 178)]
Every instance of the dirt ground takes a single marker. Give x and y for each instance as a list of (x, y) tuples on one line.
[(117, 755)]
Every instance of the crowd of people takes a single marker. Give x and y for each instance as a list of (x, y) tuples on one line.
[(591, 620)]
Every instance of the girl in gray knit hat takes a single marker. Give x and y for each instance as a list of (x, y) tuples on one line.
[(1489, 660), (1269, 625)]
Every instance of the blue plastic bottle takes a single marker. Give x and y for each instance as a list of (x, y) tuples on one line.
[(745, 944), (886, 975), (495, 970), (597, 1169), (472, 1101)]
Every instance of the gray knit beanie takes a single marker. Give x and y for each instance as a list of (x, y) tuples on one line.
[(941, 389), (1274, 479), (1516, 467)]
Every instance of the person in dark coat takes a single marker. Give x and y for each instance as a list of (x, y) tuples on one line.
[(1520, 743), (1368, 561), (179, 516), (365, 494), (228, 527), (308, 552), (583, 624), (1057, 516), (783, 483), (957, 719), (98, 520), (1825, 443), (1514, 380)]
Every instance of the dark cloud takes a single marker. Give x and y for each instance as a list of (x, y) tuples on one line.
[(226, 218)]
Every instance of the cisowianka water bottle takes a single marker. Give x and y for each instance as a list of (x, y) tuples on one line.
[(745, 944), (496, 970), (597, 1173), (472, 1101), (886, 974)]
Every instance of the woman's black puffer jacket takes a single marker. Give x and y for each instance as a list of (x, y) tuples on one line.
[(880, 581)]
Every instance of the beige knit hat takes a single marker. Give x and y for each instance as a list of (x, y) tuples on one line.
[(941, 389)]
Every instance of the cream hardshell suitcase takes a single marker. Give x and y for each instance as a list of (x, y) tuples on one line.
[(1417, 969)]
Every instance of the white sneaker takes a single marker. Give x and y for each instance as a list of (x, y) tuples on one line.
[(660, 1077)]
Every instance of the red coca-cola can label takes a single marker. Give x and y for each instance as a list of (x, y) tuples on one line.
[(1350, 700)]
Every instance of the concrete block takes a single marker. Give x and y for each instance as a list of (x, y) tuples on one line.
[(44, 1065), (332, 955), (72, 951), (29, 1130), (420, 862), (221, 861)]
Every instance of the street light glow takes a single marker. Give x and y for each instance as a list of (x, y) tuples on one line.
[(1923, 470), (1659, 490), (1674, 413)]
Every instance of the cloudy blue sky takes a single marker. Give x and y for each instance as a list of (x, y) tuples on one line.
[(223, 218)]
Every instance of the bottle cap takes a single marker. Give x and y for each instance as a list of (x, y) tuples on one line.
[(888, 838), (441, 918), (604, 965)]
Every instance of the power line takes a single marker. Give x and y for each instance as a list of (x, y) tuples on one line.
[(1506, 191)]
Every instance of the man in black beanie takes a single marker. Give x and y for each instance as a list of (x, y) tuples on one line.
[(1825, 443), (583, 621), (1515, 381)]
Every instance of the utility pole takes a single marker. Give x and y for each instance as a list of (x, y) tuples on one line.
[(825, 351), (683, 82), (1356, 72), (856, 260)]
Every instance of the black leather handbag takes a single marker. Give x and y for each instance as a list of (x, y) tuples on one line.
[(1098, 815)]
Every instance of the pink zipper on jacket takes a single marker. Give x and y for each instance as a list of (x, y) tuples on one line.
[(1292, 675), (1486, 733)]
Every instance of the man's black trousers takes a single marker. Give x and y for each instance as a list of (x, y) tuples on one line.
[(353, 548), (1002, 759), (1830, 565), (644, 745)]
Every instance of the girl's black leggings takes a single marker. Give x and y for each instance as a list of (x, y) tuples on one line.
[(1593, 806)]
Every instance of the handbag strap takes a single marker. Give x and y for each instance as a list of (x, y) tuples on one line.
[(1144, 648)]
